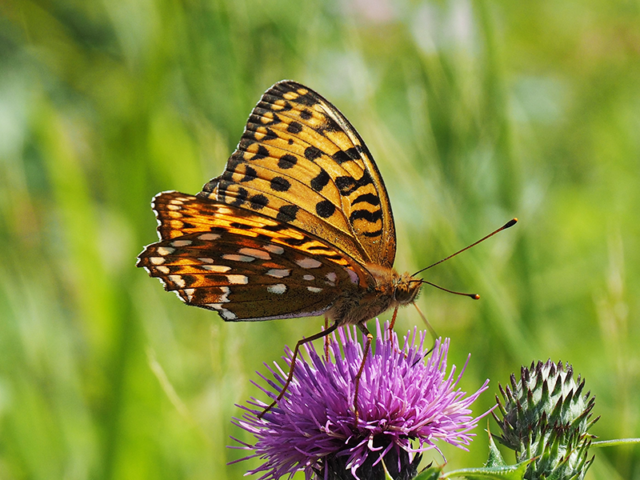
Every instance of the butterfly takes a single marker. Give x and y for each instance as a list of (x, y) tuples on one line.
[(299, 224)]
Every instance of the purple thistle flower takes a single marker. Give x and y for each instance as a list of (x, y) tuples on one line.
[(405, 405)]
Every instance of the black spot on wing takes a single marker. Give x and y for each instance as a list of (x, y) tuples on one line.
[(280, 184), (366, 215), (312, 153), (294, 242), (261, 153), (330, 125), (241, 226), (270, 135), (287, 213), (241, 197), (258, 202), (347, 185), (249, 174), (277, 227), (188, 280), (308, 99), (325, 208), (306, 114), (369, 198), (342, 156), (320, 181), (294, 127), (287, 161)]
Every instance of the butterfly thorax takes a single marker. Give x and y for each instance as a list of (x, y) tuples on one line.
[(389, 290)]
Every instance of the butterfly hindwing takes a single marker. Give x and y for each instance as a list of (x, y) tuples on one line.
[(244, 265), (301, 162)]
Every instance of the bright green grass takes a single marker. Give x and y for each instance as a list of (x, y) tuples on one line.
[(476, 112)]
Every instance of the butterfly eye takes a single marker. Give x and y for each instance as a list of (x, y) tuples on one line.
[(407, 291)]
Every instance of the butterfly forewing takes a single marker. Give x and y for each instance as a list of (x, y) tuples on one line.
[(244, 265), (302, 163)]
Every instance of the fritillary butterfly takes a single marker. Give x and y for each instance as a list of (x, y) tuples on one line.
[(299, 224)]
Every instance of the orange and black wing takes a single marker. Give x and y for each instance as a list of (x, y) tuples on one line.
[(302, 163), (244, 265)]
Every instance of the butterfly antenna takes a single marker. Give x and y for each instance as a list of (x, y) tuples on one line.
[(509, 224), (474, 296)]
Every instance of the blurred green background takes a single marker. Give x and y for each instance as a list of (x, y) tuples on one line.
[(476, 112)]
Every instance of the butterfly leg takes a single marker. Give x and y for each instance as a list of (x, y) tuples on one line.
[(327, 339), (393, 319), (324, 333), (367, 347)]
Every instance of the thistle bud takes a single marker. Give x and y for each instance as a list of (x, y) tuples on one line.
[(546, 416)]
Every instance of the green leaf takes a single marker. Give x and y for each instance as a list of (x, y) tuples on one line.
[(615, 443), (495, 457), (431, 473), (509, 472)]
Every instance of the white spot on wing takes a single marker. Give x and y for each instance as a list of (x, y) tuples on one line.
[(353, 276), (178, 280), (157, 260), (228, 315), (216, 268), (163, 269), (238, 258), (279, 273), (206, 260), (224, 313), (278, 288), (308, 277), (274, 249), (181, 243), (224, 298), (254, 252), (189, 293), (331, 279), (166, 250), (307, 262), (314, 289), (173, 207), (238, 279), (209, 236)]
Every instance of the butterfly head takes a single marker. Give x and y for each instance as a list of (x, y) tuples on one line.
[(406, 288)]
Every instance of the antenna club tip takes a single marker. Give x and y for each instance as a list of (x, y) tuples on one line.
[(511, 223), (475, 296)]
